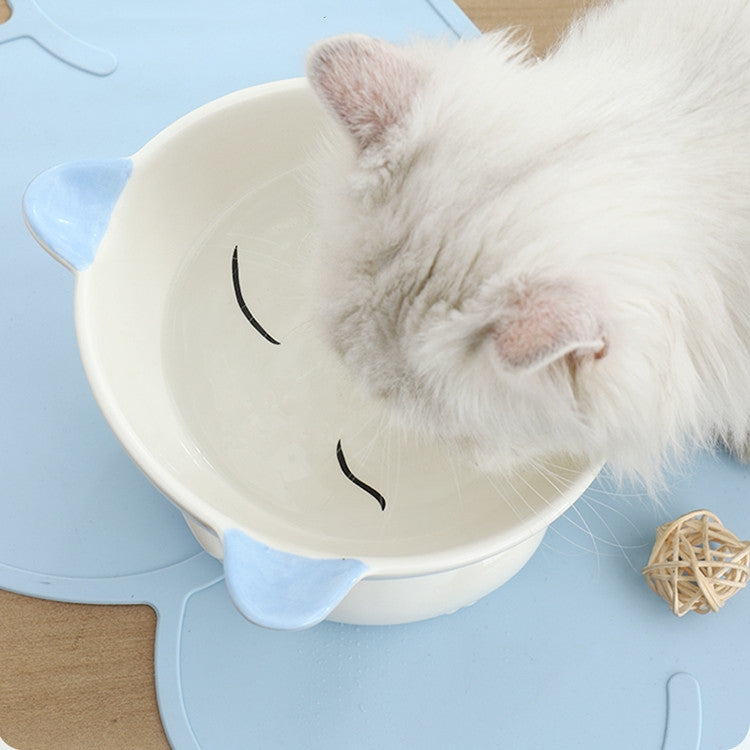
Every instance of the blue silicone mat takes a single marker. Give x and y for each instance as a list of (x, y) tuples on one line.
[(575, 652)]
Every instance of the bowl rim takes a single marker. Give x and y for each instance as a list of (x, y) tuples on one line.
[(201, 509)]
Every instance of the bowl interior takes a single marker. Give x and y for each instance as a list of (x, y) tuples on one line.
[(198, 332)]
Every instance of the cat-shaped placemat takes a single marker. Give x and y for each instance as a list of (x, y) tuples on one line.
[(573, 652)]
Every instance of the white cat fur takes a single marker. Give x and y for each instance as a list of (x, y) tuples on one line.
[(529, 255)]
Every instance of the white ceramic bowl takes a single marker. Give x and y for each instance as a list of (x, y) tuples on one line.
[(206, 365)]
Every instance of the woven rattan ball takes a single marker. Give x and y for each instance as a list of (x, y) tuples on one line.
[(697, 564)]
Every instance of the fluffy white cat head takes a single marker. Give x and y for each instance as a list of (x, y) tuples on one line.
[(489, 268)]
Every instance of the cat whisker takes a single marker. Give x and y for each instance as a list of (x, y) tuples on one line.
[(257, 238), (256, 257), (533, 489), (456, 481), (505, 497), (587, 530), (567, 540), (521, 495), (615, 543), (611, 508), (300, 326)]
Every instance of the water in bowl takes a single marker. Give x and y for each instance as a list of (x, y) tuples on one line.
[(283, 423)]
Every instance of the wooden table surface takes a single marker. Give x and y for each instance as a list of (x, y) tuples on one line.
[(78, 676)]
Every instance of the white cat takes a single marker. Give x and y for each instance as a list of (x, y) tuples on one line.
[(529, 255)]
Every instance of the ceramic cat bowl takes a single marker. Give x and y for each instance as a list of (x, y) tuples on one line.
[(193, 314)]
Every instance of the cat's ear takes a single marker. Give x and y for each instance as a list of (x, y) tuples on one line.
[(542, 322), (367, 83)]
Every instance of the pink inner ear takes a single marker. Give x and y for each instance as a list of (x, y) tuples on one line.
[(541, 323), (367, 83)]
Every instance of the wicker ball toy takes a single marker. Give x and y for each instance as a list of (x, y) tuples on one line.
[(697, 564)]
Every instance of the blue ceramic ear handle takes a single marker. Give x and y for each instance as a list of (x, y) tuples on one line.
[(284, 591), (68, 208), (28, 20)]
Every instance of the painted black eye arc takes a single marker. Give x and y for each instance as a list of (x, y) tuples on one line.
[(241, 302), (348, 474)]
